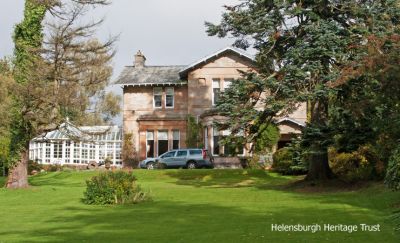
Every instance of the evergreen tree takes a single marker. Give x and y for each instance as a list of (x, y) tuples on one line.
[(302, 47)]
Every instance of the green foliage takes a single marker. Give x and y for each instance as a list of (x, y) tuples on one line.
[(114, 188), (268, 138), (392, 179), (284, 162), (362, 164), (33, 165), (129, 154), (28, 37), (306, 50), (193, 133)]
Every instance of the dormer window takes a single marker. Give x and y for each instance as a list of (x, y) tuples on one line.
[(169, 97), (157, 97)]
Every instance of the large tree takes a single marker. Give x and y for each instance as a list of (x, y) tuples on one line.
[(59, 74), (302, 48)]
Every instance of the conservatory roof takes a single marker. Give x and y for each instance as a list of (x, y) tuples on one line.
[(67, 131)]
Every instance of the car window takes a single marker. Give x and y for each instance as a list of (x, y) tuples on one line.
[(182, 153), (168, 155), (195, 152)]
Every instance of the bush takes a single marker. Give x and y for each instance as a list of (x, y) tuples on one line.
[(33, 165), (392, 179), (52, 168), (286, 161), (114, 188), (362, 164)]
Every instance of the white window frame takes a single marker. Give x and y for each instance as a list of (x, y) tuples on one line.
[(227, 83), (212, 141), (173, 97), (213, 86), (154, 141), (179, 138), (158, 94)]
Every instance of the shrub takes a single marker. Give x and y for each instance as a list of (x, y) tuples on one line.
[(287, 161), (33, 165), (354, 166), (114, 188), (392, 179), (52, 168)]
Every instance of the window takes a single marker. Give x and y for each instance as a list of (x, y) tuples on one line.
[(175, 139), (47, 150), (162, 137), (181, 153), (195, 152), (169, 97), (157, 97), (150, 144), (84, 153), (110, 154), (58, 150), (92, 154), (216, 91), (67, 149), (206, 137), (118, 145), (118, 154), (110, 145), (215, 141), (77, 153), (102, 154), (169, 154), (227, 83)]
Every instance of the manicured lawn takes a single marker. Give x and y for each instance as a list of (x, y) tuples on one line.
[(192, 206)]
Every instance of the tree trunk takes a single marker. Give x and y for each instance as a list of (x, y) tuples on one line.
[(18, 175), (318, 168)]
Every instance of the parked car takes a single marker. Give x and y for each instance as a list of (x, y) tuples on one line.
[(180, 158)]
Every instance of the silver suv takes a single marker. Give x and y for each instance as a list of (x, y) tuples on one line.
[(180, 158)]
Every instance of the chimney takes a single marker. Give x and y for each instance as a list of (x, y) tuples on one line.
[(140, 59)]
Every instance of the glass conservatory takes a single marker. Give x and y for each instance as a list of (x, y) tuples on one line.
[(78, 145)]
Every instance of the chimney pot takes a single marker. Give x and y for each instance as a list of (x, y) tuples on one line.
[(140, 59)]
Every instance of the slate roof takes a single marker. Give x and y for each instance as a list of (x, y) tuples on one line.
[(150, 75), (169, 75)]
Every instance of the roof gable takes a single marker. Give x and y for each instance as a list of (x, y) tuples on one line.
[(211, 57)]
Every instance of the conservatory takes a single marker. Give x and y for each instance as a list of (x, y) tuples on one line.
[(71, 145)]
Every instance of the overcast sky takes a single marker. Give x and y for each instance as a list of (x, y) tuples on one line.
[(167, 32)]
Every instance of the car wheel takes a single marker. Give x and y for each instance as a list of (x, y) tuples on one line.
[(150, 166), (191, 165)]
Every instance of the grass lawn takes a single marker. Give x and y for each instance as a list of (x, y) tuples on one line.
[(193, 206)]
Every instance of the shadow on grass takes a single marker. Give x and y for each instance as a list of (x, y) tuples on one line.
[(166, 221), (372, 195), (71, 179), (230, 178)]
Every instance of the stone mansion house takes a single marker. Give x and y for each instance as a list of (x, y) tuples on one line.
[(158, 99)]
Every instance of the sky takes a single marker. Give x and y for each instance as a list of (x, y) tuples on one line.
[(168, 32)]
